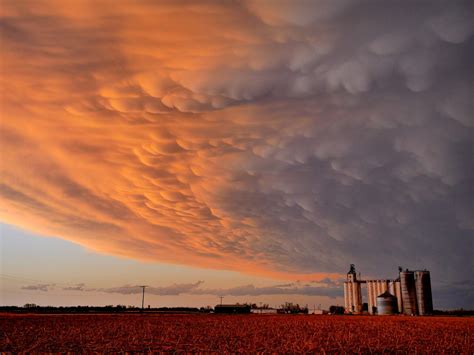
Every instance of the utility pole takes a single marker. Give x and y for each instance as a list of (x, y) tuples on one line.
[(143, 295), (221, 297)]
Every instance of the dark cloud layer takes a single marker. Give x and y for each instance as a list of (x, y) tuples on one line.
[(78, 287), (39, 287), (260, 136), (172, 290), (327, 288)]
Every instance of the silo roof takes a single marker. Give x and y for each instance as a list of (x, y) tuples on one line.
[(386, 294)]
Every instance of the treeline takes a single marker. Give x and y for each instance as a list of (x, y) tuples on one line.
[(455, 312), (287, 308), (33, 308)]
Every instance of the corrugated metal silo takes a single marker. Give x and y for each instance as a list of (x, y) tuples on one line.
[(423, 292), (387, 304), (407, 283), (349, 300)]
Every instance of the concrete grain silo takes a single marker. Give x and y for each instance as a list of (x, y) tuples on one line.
[(387, 304), (348, 296), (407, 283), (395, 289), (371, 296), (423, 292)]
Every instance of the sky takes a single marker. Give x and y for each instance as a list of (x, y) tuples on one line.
[(252, 149)]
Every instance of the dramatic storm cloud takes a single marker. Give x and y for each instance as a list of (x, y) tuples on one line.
[(272, 137)]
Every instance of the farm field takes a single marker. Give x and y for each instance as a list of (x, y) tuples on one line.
[(239, 333)]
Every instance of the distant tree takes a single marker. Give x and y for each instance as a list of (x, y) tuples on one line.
[(207, 309), (30, 305), (289, 307)]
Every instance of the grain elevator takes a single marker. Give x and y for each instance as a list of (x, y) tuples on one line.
[(409, 294)]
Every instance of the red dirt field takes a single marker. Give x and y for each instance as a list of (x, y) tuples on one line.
[(240, 333)]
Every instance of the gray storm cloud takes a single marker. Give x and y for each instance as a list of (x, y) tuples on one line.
[(297, 135), (327, 288), (38, 287), (172, 290), (78, 287)]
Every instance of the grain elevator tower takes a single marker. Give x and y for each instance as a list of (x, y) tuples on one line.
[(352, 292)]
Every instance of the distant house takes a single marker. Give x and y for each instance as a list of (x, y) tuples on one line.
[(232, 309)]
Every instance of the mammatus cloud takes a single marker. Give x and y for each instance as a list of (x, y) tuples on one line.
[(285, 137)]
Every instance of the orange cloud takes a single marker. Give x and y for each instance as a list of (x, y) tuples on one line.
[(210, 134)]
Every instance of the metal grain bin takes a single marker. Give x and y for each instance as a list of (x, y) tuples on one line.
[(387, 304), (423, 292)]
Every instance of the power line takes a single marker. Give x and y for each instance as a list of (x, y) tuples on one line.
[(143, 295)]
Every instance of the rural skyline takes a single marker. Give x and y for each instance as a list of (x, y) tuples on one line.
[(248, 149)]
